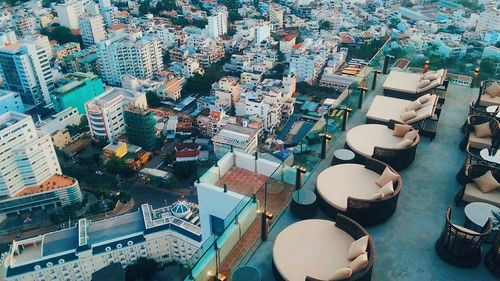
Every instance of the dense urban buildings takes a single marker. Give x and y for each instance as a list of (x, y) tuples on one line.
[(75, 89)]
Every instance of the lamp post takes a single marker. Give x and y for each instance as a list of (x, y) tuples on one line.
[(426, 66), (386, 63), (265, 217), (374, 82), (475, 78), (362, 92)]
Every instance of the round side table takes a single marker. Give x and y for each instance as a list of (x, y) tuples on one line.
[(303, 205), (476, 215), (492, 109), (247, 273), (342, 156)]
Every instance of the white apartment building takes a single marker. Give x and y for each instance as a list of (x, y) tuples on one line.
[(25, 68), (10, 101), (168, 35), (69, 13), (26, 25), (30, 175), (92, 29), (105, 112), (276, 15), (262, 106), (129, 54), (262, 31), (238, 138), (56, 126), (306, 66), (227, 91), (489, 20), (217, 22), (165, 234)]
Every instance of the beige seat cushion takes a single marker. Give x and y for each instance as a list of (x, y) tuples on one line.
[(434, 84), (424, 83), (411, 135), (414, 105), (404, 143), (341, 274), (337, 183), (321, 252), (400, 130), (486, 101), (424, 99), (483, 130), (362, 139), (487, 182), (358, 247), (479, 143), (359, 263), (385, 108), (407, 115), (377, 196), (387, 176), (493, 90), (400, 81), (473, 194)]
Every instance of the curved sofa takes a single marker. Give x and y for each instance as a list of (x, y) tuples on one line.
[(347, 189), (376, 141), (314, 249)]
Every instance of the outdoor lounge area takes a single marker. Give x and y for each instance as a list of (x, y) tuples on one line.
[(406, 85), (406, 240)]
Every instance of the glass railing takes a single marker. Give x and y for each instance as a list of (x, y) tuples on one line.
[(275, 195)]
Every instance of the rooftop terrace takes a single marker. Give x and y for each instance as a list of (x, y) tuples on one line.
[(405, 242), (52, 183)]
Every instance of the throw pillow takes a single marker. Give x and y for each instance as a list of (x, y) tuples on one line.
[(414, 105), (359, 263), (404, 143), (358, 247), (424, 83), (405, 116), (387, 176), (387, 189), (411, 135), (487, 182), (425, 98), (493, 90), (341, 274), (483, 130), (400, 130), (377, 196), (431, 77)]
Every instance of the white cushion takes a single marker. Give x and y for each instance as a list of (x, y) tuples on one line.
[(404, 143), (359, 263), (385, 108), (424, 83), (400, 81), (424, 99), (341, 274), (387, 176), (411, 135), (387, 189), (407, 115), (358, 247), (473, 194), (414, 105), (362, 139), (377, 196)]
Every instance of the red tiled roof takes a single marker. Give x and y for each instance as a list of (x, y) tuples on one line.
[(187, 153), (288, 37)]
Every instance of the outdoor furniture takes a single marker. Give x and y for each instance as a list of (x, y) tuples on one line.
[(492, 259), (494, 110), (377, 141), (303, 205), (485, 100), (384, 109), (348, 188), (471, 157), (480, 142), (405, 85), (315, 249), (460, 246), (493, 158), (476, 215), (247, 273), (470, 191), (342, 156)]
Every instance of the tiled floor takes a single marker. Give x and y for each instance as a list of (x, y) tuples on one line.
[(405, 242), (246, 182)]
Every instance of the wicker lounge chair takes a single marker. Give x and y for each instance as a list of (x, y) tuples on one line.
[(460, 246), (483, 99), (349, 195), (492, 259), (471, 193), (480, 143)]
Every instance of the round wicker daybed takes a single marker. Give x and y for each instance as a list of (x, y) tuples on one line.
[(348, 188), (315, 249), (377, 141)]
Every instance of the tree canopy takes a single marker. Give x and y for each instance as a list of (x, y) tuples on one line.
[(153, 99), (61, 34), (143, 269)]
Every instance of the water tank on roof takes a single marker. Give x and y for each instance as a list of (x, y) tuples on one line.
[(180, 209)]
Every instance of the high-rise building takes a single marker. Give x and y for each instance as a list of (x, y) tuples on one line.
[(26, 25), (75, 89), (30, 175), (92, 29), (25, 68), (129, 54), (488, 20), (140, 126), (105, 112), (276, 15), (68, 13), (217, 22)]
